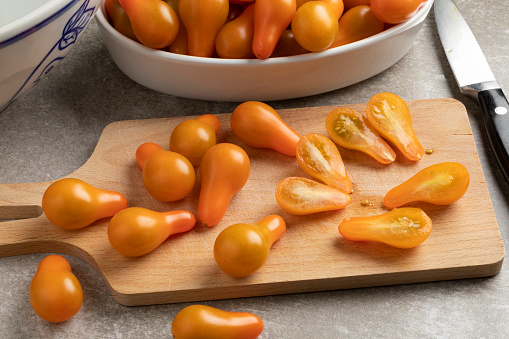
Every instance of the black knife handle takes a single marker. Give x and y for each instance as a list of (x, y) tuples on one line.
[(495, 111)]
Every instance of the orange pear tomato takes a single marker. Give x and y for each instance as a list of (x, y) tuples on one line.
[(319, 157), (301, 196), (205, 322), (72, 203), (315, 25), (224, 170), (235, 39), (179, 44), (192, 138), (288, 46), (258, 125), (119, 18), (350, 129), (353, 3), (406, 227), (212, 120), (439, 184), (168, 176), (136, 231), (174, 4), (240, 2), (338, 6), (242, 249), (271, 19), (203, 20), (236, 9), (154, 22), (144, 151), (55, 293), (390, 116), (395, 11), (356, 24)]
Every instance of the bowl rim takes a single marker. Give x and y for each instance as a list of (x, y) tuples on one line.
[(34, 21), (105, 25)]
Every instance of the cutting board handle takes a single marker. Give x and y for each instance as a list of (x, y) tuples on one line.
[(20, 206), (21, 200)]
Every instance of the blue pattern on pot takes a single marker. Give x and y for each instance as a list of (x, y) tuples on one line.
[(72, 29)]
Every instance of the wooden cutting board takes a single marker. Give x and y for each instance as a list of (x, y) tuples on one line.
[(311, 256)]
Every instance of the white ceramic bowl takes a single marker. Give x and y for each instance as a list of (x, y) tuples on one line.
[(271, 79), (35, 35)]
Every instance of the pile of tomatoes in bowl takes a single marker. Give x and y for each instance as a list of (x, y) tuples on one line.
[(194, 60), (247, 29)]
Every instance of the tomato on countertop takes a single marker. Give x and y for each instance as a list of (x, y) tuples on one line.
[(405, 227), (350, 129), (206, 322), (439, 184), (55, 293), (72, 203), (390, 116), (242, 249)]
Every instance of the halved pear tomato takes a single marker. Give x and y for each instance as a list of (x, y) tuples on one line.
[(402, 227), (350, 129), (302, 196), (390, 116), (319, 157), (439, 184)]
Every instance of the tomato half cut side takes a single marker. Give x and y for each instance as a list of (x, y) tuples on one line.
[(439, 184), (319, 157), (301, 196), (350, 129), (405, 227), (390, 116)]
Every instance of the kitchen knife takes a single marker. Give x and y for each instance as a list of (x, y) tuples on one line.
[(474, 77)]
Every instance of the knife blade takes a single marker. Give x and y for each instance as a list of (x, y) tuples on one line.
[(474, 77)]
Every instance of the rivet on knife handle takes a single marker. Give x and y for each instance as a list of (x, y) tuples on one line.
[(495, 108)]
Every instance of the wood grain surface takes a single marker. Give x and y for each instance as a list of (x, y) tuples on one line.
[(311, 255)]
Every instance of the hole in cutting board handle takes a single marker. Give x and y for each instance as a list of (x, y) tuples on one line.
[(19, 212)]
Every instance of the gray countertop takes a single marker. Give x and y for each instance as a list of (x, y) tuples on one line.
[(52, 130)]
